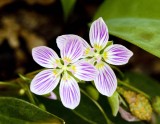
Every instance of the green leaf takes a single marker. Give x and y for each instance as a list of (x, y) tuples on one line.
[(91, 109), (88, 111), (141, 32), (114, 103), (67, 7), (135, 21), (144, 83), (16, 111)]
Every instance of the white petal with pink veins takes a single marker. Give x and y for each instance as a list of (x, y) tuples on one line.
[(69, 92), (84, 71), (45, 56), (105, 81), (98, 34), (117, 54), (44, 82)]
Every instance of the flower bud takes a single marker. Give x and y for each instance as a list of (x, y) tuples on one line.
[(138, 104)]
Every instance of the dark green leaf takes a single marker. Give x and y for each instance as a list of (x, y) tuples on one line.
[(16, 111), (67, 7), (88, 112), (135, 21), (144, 83), (90, 109), (114, 103)]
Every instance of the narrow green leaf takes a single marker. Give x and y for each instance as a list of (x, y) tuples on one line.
[(67, 7), (135, 21), (88, 111), (17, 111), (114, 103), (91, 109)]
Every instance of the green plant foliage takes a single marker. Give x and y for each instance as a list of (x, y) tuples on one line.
[(114, 103), (144, 83), (88, 112), (67, 6), (92, 92), (118, 119), (136, 21), (16, 111)]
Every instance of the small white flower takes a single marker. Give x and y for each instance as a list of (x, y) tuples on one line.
[(100, 55), (62, 70)]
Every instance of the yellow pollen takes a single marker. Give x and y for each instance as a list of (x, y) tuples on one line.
[(66, 77), (73, 69), (97, 47), (67, 60), (55, 72), (105, 55), (57, 61), (87, 51), (100, 65)]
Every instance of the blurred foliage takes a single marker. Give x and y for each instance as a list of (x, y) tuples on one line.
[(67, 6), (135, 21), (16, 111)]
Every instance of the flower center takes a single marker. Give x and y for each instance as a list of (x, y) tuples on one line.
[(97, 57), (64, 67), (105, 55), (66, 60)]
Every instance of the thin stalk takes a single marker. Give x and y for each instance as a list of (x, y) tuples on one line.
[(28, 93), (100, 108), (8, 84)]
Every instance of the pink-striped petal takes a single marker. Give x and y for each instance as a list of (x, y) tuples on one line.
[(45, 57), (84, 71), (98, 34), (44, 82), (62, 40), (72, 51), (69, 92), (117, 54), (105, 82)]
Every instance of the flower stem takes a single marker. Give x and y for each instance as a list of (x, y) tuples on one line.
[(8, 84), (133, 88), (28, 93)]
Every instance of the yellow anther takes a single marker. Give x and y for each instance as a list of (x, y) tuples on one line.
[(100, 65), (55, 72), (105, 55), (97, 47), (73, 68), (66, 77), (87, 50), (66, 60)]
